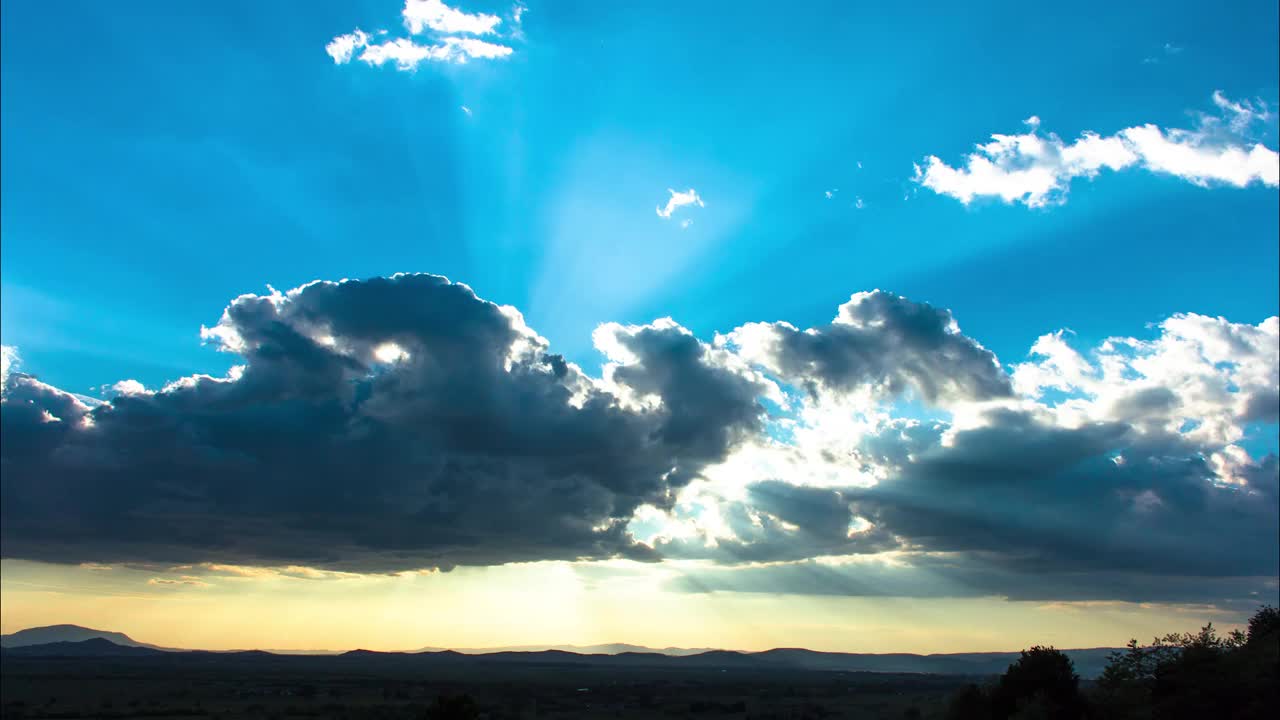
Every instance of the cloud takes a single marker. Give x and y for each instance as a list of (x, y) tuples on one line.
[(679, 200), (1038, 170), (129, 387), (941, 575), (177, 582), (404, 423), (474, 444), (407, 54), (877, 340), (444, 23), (466, 110), (1121, 462), (8, 360), (421, 15), (343, 47)]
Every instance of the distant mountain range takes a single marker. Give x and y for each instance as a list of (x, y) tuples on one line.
[(68, 634), (70, 641)]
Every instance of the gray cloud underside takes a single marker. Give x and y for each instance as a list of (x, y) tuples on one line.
[(319, 455), (481, 446)]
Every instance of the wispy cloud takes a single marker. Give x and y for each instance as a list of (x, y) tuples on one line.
[(184, 580), (679, 200), (442, 23), (1036, 170)]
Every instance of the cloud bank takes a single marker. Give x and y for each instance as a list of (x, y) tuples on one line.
[(405, 423), (1037, 170)]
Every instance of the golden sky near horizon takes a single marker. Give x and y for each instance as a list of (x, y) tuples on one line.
[(551, 603)]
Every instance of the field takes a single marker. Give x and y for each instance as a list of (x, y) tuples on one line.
[(262, 686)]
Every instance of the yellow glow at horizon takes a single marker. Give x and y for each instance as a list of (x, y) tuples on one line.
[(549, 603)]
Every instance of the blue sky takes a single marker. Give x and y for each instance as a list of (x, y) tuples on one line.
[(169, 157), (395, 451)]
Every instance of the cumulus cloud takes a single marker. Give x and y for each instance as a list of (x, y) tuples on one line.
[(443, 23), (881, 340), (1119, 471), (474, 444), (404, 423), (679, 200), (1037, 170)]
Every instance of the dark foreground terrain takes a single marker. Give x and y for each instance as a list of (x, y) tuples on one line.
[(369, 685)]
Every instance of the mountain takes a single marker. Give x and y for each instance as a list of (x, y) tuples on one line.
[(1088, 662), (606, 649), (67, 634), (93, 647), (75, 641)]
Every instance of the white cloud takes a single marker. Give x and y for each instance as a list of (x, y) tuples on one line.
[(130, 387), (419, 15), (685, 223), (858, 203), (342, 47), (407, 54), (8, 359), (1203, 379), (466, 110), (831, 193), (1037, 170), (678, 200)]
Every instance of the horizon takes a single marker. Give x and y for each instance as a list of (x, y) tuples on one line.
[(512, 323), (536, 647)]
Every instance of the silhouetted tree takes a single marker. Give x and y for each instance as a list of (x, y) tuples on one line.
[(1044, 679), (1196, 675)]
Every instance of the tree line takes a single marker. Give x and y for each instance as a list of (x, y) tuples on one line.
[(1188, 676)]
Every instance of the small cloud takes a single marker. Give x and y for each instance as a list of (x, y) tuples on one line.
[(1240, 115), (1171, 49), (859, 164), (685, 223), (95, 567), (184, 580), (678, 200), (466, 110), (857, 203), (130, 387), (831, 193)]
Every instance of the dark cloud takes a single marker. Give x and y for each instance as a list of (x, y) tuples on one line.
[(1100, 497), (883, 340), (779, 521), (970, 576), (477, 447), (403, 422)]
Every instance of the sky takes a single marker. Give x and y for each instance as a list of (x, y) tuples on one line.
[(404, 323)]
